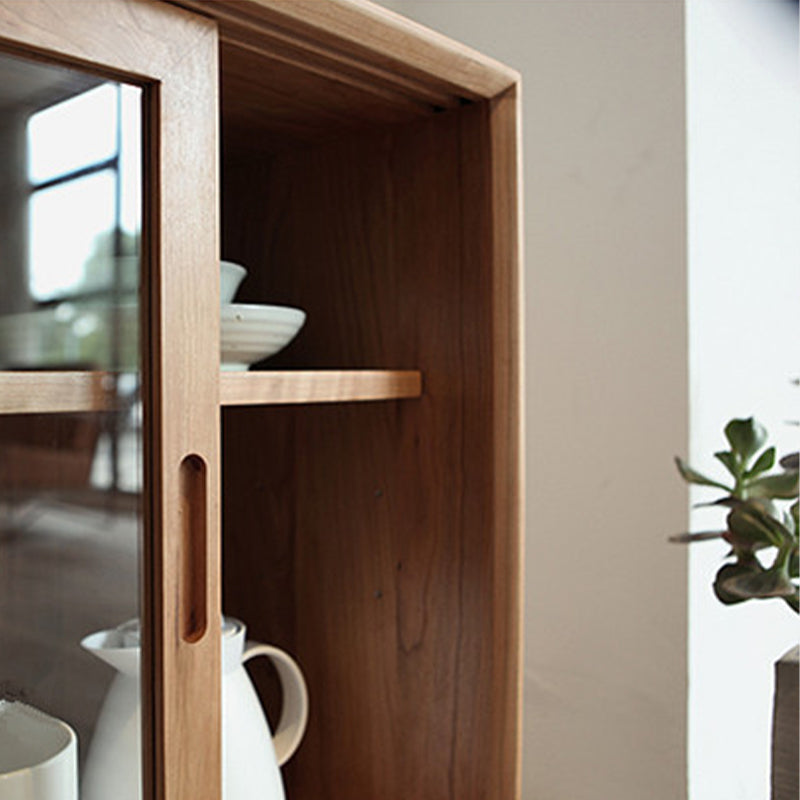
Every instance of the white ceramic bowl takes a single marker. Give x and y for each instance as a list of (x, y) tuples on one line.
[(230, 277), (250, 332), (38, 755)]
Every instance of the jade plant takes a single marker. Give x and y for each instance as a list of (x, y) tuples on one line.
[(761, 531)]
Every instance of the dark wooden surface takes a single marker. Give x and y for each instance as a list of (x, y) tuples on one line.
[(365, 540), (785, 740), (300, 71)]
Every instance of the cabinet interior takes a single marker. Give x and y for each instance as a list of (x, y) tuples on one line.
[(362, 537)]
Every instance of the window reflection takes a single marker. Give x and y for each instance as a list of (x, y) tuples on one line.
[(72, 223), (83, 164), (71, 252), (74, 134)]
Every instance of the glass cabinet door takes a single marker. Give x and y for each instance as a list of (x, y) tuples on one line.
[(109, 431), (70, 480)]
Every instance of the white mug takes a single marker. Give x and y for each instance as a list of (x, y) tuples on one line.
[(38, 755)]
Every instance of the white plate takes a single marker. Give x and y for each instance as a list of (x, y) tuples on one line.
[(251, 332)]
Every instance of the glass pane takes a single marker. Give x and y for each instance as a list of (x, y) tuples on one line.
[(71, 449), (68, 251), (68, 136)]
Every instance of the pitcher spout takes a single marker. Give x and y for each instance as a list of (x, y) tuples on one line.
[(117, 647)]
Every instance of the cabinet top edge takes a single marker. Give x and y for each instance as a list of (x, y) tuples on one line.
[(373, 34)]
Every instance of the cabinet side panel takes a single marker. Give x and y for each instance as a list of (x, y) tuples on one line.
[(391, 556), (508, 420)]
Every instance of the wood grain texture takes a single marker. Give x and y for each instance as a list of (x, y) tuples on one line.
[(326, 68), (172, 55), (379, 542), (304, 106), (380, 42), (509, 437), (317, 386), (183, 395), (135, 40), (55, 392)]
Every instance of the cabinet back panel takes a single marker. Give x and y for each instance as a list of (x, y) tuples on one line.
[(362, 537)]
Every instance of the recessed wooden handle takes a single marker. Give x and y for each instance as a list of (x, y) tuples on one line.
[(193, 599)]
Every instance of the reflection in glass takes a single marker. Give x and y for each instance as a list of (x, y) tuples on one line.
[(74, 133), (69, 251), (70, 483), (70, 214)]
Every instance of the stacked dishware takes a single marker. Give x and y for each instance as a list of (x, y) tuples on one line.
[(251, 332)]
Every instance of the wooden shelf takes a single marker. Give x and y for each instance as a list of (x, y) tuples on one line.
[(71, 392), (317, 386), (55, 392)]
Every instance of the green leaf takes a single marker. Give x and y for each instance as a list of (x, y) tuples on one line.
[(746, 436), (764, 463), (703, 536), (790, 522), (749, 584), (791, 461), (765, 516), (729, 502), (731, 462), (727, 574), (784, 486), (794, 602), (749, 528), (692, 476)]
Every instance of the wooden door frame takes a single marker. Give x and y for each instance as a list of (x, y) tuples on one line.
[(172, 55)]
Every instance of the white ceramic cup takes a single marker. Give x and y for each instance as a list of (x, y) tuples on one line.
[(38, 755), (230, 277)]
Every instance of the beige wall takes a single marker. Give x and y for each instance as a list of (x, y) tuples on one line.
[(606, 363)]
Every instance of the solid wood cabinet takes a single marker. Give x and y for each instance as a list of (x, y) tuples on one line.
[(361, 490)]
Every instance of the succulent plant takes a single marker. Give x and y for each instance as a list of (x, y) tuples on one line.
[(758, 527)]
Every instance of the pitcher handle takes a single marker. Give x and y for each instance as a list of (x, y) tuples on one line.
[(294, 713)]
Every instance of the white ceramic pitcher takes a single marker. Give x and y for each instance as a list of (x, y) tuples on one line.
[(251, 757)]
